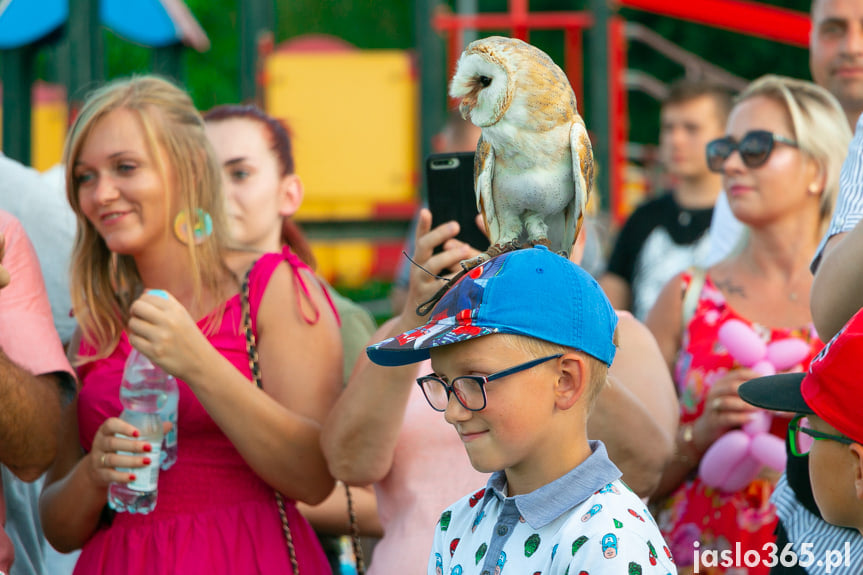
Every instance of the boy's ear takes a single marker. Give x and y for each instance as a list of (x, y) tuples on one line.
[(572, 380), (291, 194), (857, 452)]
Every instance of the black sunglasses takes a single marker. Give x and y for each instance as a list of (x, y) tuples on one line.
[(755, 148)]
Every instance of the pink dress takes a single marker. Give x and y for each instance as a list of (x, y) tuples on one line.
[(214, 515)]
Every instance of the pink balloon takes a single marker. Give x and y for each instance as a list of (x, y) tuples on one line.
[(741, 475), (786, 353), (769, 450), (760, 423), (726, 453), (764, 368), (742, 342)]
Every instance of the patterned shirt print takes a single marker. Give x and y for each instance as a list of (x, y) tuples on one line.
[(587, 522)]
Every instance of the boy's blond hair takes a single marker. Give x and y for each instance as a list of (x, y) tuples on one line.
[(597, 371)]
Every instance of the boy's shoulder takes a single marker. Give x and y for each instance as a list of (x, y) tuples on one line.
[(612, 531)]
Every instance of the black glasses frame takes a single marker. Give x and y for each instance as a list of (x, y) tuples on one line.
[(754, 149), (479, 380), (794, 427)]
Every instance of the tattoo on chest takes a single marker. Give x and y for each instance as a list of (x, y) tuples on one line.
[(730, 288)]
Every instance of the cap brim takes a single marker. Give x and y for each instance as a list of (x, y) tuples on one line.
[(414, 346), (777, 392)]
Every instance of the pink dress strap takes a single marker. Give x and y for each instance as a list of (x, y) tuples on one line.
[(259, 278)]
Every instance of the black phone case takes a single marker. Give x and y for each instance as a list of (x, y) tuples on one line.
[(451, 196)]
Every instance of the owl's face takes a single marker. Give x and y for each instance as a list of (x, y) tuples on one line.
[(482, 83), (498, 77)]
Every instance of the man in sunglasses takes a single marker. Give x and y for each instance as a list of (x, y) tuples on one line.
[(667, 234), (829, 429)]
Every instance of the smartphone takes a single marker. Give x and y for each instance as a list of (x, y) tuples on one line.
[(451, 196)]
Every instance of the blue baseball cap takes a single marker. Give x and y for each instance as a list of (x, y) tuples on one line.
[(531, 292)]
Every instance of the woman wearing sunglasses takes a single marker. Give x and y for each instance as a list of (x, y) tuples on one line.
[(780, 160)]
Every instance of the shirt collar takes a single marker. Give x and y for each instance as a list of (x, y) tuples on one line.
[(542, 506)]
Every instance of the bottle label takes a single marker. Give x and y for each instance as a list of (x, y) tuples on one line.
[(147, 477)]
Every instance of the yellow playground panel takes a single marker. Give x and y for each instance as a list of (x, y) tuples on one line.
[(353, 117), (48, 122)]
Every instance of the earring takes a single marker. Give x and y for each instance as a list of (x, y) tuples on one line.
[(813, 189), (198, 232)]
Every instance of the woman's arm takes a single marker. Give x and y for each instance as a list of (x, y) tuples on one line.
[(723, 410), (76, 486), (277, 429), (836, 294), (361, 432), (665, 320), (641, 394), (331, 516)]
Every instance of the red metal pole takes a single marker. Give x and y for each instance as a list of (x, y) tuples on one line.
[(573, 61), (754, 18), (618, 115), (497, 21), (518, 13)]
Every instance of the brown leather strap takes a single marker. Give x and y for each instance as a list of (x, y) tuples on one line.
[(255, 368)]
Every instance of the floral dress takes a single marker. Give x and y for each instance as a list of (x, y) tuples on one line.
[(695, 512)]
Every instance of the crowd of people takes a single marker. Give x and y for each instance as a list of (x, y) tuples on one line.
[(580, 414)]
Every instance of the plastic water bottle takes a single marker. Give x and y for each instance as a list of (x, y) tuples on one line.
[(169, 413), (142, 393)]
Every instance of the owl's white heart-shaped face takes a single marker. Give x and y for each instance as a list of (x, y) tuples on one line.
[(483, 87)]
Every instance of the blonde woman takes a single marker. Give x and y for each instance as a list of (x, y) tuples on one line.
[(138, 166), (780, 159)]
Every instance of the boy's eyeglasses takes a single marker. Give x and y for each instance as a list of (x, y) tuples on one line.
[(469, 389), (801, 437), (755, 149)]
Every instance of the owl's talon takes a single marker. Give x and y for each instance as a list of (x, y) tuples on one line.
[(539, 242), (468, 265)]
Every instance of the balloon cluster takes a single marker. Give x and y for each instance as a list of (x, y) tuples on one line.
[(736, 458)]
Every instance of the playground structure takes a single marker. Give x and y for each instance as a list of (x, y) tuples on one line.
[(346, 207), (607, 119)]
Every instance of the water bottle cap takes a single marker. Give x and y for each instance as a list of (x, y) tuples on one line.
[(158, 293)]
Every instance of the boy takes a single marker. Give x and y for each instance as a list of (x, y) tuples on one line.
[(524, 342), (828, 427)]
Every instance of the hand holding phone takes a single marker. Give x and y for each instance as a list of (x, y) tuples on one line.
[(451, 196)]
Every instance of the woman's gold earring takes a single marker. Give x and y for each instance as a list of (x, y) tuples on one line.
[(813, 189), (198, 232)]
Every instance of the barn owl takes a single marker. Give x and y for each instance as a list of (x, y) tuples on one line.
[(534, 162)]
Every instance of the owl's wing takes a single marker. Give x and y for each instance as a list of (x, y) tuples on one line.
[(483, 172), (582, 172)]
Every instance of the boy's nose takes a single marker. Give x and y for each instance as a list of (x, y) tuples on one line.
[(455, 411)]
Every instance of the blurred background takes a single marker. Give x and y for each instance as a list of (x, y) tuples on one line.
[(362, 85)]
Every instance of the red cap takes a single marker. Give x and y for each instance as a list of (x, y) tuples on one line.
[(833, 387)]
